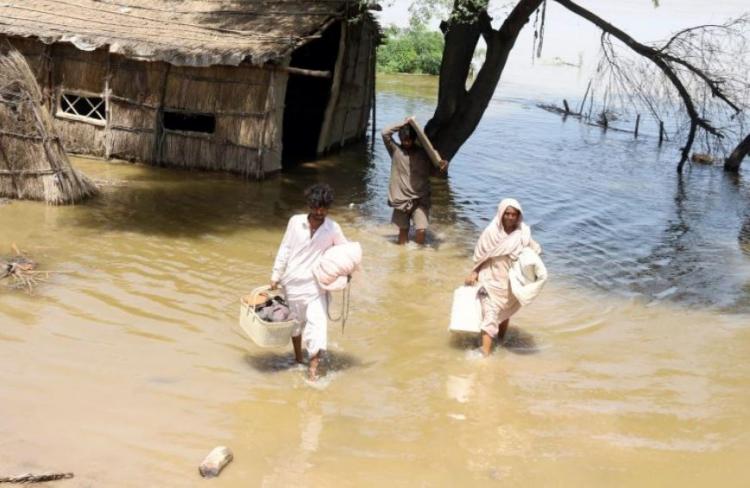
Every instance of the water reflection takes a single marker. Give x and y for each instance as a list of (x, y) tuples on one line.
[(682, 264), (161, 202)]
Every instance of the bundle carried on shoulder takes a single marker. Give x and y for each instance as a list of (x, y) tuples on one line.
[(336, 265)]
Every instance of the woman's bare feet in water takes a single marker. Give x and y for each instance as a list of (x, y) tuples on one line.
[(488, 341), (486, 344)]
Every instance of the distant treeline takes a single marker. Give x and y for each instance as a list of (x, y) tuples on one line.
[(410, 50)]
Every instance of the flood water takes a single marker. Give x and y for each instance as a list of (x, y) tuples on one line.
[(127, 366)]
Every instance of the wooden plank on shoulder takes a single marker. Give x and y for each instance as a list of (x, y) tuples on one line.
[(424, 141)]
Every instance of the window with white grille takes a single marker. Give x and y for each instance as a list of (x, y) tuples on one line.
[(85, 107)]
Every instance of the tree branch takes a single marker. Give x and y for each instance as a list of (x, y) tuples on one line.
[(683, 32), (712, 84), (734, 160), (518, 17), (660, 60)]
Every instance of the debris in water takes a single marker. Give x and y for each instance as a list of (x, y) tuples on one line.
[(21, 271), (215, 461), (36, 478), (702, 158)]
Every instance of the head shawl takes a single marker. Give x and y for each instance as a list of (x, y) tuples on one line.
[(495, 242)]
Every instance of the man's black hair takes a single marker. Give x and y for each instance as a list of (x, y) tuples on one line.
[(319, 195), (407, 131)]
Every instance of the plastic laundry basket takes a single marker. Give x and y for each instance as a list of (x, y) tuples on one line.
[(263, 333)]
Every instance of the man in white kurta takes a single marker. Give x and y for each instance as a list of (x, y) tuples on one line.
[(307, 237)]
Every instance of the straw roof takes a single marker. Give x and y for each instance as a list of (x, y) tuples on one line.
[(180, 32), (33, 163)]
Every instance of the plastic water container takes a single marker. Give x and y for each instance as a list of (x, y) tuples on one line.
[(263, 333), (466, 312)]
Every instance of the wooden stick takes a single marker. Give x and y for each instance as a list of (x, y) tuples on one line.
[(583, 102), (31, 478), (637, 123), (661, 132), (156, 151), (305, 72)]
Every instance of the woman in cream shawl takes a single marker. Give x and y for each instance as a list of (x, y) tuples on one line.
[(498, 247)]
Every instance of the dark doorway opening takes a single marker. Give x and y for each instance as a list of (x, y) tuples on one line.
[(307, 97), (189, 122)]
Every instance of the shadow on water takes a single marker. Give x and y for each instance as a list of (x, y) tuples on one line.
[(517, 341), (269, 362)]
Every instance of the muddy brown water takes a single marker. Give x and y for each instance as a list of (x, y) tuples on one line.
[(127, 367)]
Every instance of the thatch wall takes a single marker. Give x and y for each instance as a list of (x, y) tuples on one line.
[(135, 93), (351, 98), (37, 58), (222, 58), (84, 72), (246, 102)]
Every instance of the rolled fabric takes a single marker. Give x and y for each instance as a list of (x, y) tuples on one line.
[(336, 264), (527, 276)]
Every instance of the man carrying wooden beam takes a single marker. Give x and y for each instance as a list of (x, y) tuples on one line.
[(409, 188)]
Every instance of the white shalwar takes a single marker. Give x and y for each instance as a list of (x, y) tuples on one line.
[(293, 269)]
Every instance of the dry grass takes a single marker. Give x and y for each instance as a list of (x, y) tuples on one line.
[(20, 272), (33, 163)]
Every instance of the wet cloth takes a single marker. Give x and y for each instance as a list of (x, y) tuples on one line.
[(494, 255), (293, 269), (410, 174), (337, 264), (273, 310)]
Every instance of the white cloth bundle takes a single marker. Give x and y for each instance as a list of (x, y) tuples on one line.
[(336, 264), (527, 276), (466, 313)]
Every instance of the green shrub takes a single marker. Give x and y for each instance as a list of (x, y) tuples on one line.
[(411, 50)]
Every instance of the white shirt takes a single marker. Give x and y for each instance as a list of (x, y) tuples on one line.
[(299, 253)]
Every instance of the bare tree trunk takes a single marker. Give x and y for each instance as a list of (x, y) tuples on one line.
[(459, 110), (732, 163)]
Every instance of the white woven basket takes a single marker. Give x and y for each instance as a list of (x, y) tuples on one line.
[(263, 333)]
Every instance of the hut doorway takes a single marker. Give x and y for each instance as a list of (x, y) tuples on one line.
[(307, 97)]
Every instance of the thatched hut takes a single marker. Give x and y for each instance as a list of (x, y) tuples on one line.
[(228, 85), (33, 163)]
